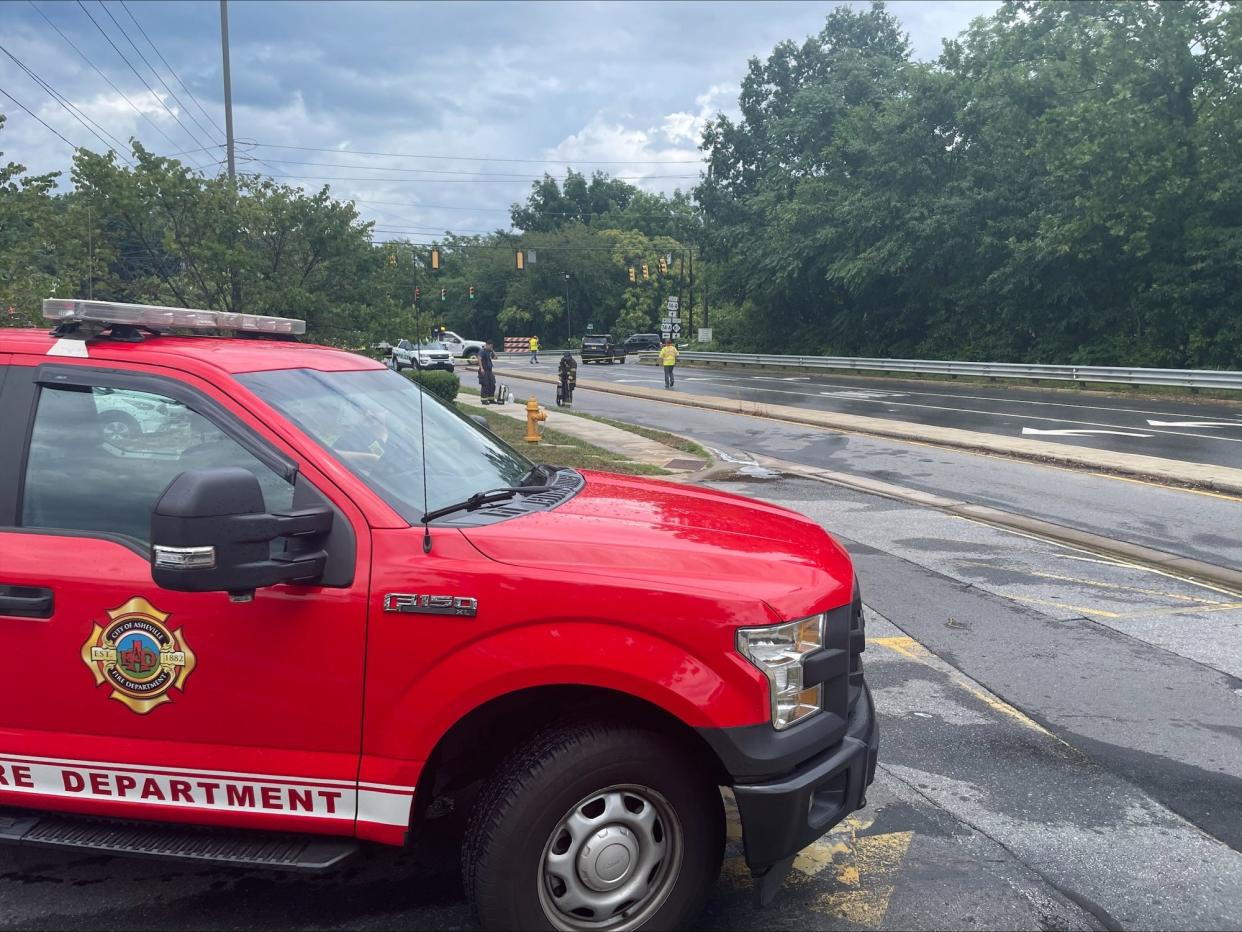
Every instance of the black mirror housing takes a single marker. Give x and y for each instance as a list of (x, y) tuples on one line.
[(210, 532)]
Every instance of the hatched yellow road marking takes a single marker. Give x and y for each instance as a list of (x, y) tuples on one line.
[(1097, 583), (863, 869), (1081, 609), (911, 649)]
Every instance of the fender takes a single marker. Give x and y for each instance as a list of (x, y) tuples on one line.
[(702, 691)]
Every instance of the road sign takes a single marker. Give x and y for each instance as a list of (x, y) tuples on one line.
[(590, 327), (673, 302), (705, 334)]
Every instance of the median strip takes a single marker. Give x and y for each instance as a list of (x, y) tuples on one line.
[(1159, 469)]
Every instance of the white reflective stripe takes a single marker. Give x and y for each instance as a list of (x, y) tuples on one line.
[(185, 771), (67, 347), (384, 808), (305, 797)]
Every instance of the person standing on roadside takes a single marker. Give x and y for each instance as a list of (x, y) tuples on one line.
[(487, 378), (668, 359), (534, 350)]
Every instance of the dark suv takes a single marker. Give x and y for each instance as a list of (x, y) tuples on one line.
[(642, 341), (598, 347)]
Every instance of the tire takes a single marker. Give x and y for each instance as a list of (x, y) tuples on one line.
[(118, 427), (563, 778)]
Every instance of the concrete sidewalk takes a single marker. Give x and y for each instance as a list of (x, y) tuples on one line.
[(633, 446), (1175, 472)]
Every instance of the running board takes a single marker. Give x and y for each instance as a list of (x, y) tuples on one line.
[(178, 842)]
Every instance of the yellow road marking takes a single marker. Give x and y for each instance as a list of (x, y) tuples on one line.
[(865, 869), (1055, 604), (911, 649), (1099, 584), (1227, 497)]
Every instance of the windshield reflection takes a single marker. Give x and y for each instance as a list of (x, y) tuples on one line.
[(369, 421)]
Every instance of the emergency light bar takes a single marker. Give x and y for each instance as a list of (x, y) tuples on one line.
[(155, 317)]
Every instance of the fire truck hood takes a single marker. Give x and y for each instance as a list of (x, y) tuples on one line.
[(674, 536)]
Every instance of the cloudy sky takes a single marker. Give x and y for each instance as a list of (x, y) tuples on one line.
[(432, 116)]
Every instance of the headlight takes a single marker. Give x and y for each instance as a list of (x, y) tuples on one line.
[(778, 652)]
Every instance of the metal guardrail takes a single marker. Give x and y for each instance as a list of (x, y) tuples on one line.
[(1186, 378)]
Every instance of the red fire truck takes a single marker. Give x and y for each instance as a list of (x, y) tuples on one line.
[(266, 623)]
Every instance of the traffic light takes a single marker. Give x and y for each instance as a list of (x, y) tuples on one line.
[(435, 259), (418, 293), (472, 292), (646, 277), (443, 294), (632, 273), (520, 258), (663, 265)]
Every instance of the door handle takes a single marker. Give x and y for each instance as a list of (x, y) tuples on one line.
[(25, 601)]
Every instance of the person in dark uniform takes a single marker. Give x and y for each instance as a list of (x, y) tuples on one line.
[(487, 378), (567, 372)]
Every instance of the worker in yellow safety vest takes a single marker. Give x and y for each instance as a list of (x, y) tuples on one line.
[(534, 350), (668, 359)]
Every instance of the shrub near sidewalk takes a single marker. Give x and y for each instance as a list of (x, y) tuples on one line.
[(442, 384)]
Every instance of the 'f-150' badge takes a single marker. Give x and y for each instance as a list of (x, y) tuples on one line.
[(137, 654), (410, 604)]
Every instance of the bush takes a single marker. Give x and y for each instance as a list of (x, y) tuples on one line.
[(441, 384)]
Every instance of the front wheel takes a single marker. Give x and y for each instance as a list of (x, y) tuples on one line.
[(593, 827)]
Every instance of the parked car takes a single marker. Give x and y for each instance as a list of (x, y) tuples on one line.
[(598, 347), (336, 611), (642, 342), (426, 355)]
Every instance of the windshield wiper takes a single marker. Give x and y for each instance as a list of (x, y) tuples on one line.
[(479, 499), (540, 471)]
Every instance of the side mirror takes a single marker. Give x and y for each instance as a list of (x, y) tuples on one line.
[(481, 421), (210, 532)]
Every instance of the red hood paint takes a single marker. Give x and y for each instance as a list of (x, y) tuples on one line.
[(676, 536)]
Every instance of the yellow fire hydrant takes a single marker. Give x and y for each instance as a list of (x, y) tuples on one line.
[(534, 414)]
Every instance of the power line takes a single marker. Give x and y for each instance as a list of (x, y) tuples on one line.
[(140, 78), (170, 68), (72, 110), (36, 116), (158, 76), (100, 72), (466, 180), (439, 171), (121, 29), (479, 158)]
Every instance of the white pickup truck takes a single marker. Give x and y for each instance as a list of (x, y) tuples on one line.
[(459, 346)]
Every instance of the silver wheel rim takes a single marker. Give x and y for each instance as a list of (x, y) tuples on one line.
[(612, 860), (115, 431)]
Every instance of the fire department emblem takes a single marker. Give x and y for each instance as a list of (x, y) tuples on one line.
[(138, 655)]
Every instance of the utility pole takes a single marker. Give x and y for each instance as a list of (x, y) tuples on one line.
[(228, 88), (569, 321), (228, 139), (90, 257)]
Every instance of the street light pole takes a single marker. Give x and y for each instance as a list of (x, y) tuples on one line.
[(569, 320)]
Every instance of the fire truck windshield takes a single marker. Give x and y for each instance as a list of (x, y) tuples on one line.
[(369, 421)]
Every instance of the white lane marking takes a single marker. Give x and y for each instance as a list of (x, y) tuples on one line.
[(1195, 423), (999, 414), (1011, 401), (862, 394), (1081, 433)]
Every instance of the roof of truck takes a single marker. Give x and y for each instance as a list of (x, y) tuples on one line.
[(229, 354)]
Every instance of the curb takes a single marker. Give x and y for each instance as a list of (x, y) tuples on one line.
[(1156, 469)]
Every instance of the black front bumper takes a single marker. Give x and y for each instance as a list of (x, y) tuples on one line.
[(781, 815)]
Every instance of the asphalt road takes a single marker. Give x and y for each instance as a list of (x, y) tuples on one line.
[(1198, 432), (1201, 525), (1041, 767)]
